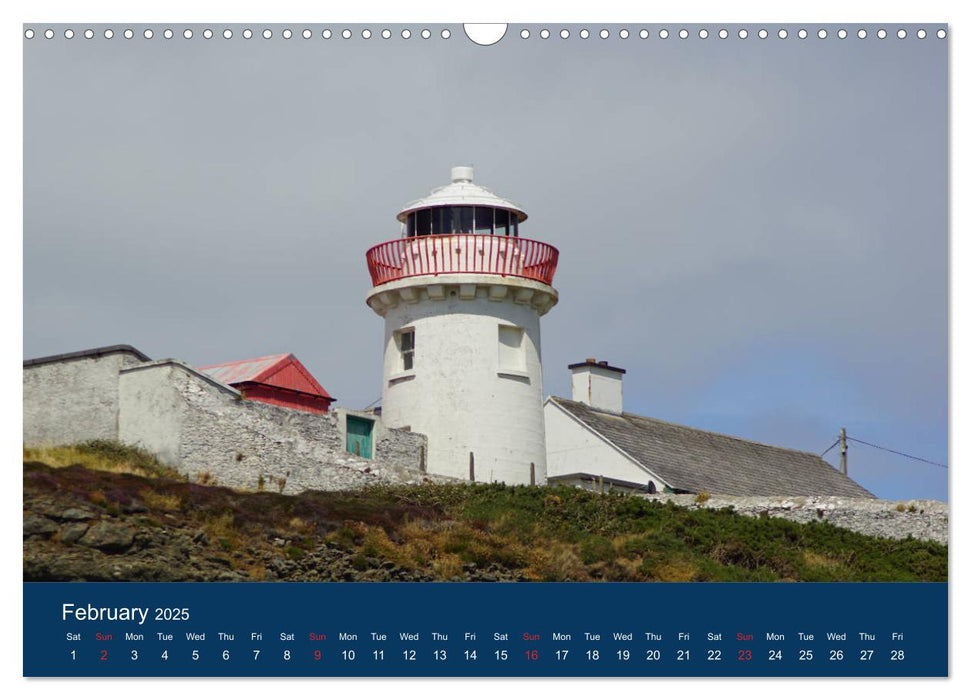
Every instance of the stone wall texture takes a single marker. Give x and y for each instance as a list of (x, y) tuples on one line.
[(920, 519), (206, 429)]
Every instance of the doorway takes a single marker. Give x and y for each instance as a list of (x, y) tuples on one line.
[(359, 436)]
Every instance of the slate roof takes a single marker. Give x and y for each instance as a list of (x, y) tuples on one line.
[(694, 460)]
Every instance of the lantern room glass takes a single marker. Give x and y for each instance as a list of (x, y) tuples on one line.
[(483, 221)]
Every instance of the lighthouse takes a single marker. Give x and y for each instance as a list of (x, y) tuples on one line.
[(461, 293)]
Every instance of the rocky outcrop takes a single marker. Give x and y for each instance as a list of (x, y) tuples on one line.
[(141, 549), (88, 526)]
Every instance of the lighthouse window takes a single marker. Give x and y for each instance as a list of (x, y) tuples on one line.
[(442, 221), (439, 221), (483, 220), (405, 339), (512, 356), (423, 222), (502, 222), (461, 219)]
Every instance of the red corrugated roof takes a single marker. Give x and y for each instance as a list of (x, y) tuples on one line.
[(284, 371)]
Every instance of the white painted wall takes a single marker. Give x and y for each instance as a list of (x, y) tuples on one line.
[(151, 409), (599, 387), (73, 401), (458, 393), (571, 447)]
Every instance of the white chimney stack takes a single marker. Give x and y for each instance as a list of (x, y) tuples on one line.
[(598, 385)]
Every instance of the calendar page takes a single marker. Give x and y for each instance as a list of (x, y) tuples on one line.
[(539, 350)]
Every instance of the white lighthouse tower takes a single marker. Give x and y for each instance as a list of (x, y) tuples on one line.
[(461, 294)]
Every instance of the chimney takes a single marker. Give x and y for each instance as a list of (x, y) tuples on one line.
[(598, 385)]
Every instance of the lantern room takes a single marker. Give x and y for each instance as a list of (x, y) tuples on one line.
[(461, 207), (461, 228)]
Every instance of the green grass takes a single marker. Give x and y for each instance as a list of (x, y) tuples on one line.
[(569, 534)]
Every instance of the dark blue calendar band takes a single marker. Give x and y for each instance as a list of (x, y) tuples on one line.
[(468, 629)]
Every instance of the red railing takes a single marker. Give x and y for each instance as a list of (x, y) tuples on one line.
[(460, 253)]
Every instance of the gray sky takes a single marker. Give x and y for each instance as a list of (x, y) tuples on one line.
[(755, 229)]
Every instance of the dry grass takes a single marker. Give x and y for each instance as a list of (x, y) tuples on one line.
[(447, 566), (301, 526), (69, 455), (161, 501), (821, 560), (676, 571), (102, 456), (255, 572), (222, 530), (556, 562), (441, 547)]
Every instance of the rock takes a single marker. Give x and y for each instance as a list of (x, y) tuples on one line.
[(75, 514), (72, 532), (39, 525), (108, 537)]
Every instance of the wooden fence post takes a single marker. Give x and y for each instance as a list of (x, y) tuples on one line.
[(471, 467)]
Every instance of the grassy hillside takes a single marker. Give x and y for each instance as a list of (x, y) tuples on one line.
[(94, 524)]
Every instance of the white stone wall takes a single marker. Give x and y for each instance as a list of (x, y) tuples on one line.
[(920, 519), (572, 448), (150, 404), (459, 394), (73, 400), (210, 433), (205, 429)]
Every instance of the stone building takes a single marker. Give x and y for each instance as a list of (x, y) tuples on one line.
[(593, 443), (204, 427)]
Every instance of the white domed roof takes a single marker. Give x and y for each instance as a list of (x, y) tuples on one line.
[(461, 192)]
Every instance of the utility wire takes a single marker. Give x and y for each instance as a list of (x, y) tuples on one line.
[(902, 454), (371, 404), (829, 448)]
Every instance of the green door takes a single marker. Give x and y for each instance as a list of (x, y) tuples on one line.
[(359, 432)]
